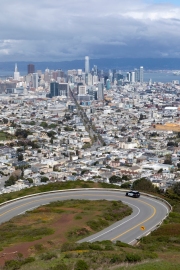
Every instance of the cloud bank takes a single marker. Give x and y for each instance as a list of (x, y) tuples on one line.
[(67, 29)]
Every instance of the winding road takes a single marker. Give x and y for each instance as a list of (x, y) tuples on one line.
[(147, 212)]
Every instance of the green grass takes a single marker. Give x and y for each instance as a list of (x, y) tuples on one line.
[(12, 233), (6, 136), (53, 187), (161, 265), (160, 250), (103, 254), (40, 222)]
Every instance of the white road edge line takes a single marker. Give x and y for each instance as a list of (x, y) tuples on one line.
[(145, 234), (27, 210), (117, 225), (158, 203), (149, 231)]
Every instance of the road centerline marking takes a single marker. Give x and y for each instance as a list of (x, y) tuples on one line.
[(134, 227), (92, 195)]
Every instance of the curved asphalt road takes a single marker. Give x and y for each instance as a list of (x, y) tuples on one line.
[(147, 212)]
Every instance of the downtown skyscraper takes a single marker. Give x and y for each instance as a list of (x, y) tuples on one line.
[(87, 68)]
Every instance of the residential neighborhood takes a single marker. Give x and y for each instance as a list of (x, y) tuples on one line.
[(131, 131)]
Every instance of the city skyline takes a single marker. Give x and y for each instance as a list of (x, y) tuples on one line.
[(146, 28)]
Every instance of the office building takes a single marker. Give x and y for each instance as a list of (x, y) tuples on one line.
[(88, 79), (87, 68), (16, 73), (35, 80), (63, 89), (136, 74), (108, 84), (30, 68), (141, 74), (100, 93), (128, 76), (132, 77), (59, 89), (79, 72), (54, 89), (81, 89)]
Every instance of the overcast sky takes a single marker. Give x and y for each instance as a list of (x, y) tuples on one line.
[(60, 30)]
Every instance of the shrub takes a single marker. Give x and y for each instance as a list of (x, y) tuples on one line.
[(97, 224), (78, 217), (68, 247), (59, 266), (48, 256), (116, 258), (81, 265), (121, 244), (150, 255), (95, 246), (78, 232), (38, 247), (131, 257), (13, 264), (16, 264)]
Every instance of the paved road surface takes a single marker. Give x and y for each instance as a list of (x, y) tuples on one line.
[(147, 212)]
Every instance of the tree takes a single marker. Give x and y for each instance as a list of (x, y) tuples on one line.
[(68, 128), (141, 117), (125, 177), (20, 157), (123, 129), (168, 159), (30, 180), (51, 134), (176, 188), (22, 133), (84, 171), (44, 124), (44, 179), (86, 145), (144, 185), (11, 181), (175, 144), (115, 179), (129, 139), (126, 185), (178, 165), (5, 120)]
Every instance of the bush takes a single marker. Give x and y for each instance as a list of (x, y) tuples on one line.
[(16, 264), (59, 266), (68, 247), (95, 246), (78, 217), (97, 224), (117, 258), (81, 265), (38, 247), (150, 255), (48, 256), (131, 258), (12, 264), (44, 179)]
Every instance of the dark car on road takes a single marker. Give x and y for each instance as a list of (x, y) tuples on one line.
[(133, 193)]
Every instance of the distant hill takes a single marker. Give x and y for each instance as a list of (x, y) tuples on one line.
[(105, 64)]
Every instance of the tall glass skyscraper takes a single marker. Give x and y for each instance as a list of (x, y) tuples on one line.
[(141, 74), (87, 69), (30, 69)]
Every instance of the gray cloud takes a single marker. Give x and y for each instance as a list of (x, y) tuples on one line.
[(68, 29)]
